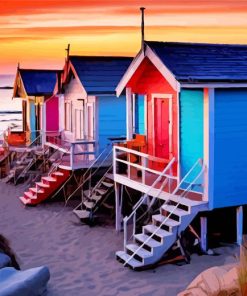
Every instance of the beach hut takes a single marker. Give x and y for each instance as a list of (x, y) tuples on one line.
[(89, 114), (190, 152), (88, 117), (33, 87)]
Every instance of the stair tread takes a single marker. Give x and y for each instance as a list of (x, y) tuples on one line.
[(42, 185), (175, 210), (30, 195), (109, 176), (82, 214), (168, 221), (36, 190), (108, 184), (25, 200), (89, 204), (58, 173), (185, 201), (49, 179), (160, 232), (151, 242), (95, 197), (141, 252), (132, 262), (101, 191)]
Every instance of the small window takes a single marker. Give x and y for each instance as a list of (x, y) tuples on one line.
[(68, 125), (139, 114)]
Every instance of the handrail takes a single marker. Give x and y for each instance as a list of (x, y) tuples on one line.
[(170, 213), (89, 170), (152, 186), (150, 157), (143, 199), (96, 186)]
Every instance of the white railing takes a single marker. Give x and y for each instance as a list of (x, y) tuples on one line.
[(146, 163), (95, 187), (143, 200), (98, 163), (181, 197), (80, 151)]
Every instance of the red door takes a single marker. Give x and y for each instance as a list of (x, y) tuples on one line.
[(161, 127)]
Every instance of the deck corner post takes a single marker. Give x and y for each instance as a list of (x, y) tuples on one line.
[(239, 224), (118, 206), (204, 241)]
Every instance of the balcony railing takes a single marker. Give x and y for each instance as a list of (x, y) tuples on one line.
[(76, 154), (142, 167)]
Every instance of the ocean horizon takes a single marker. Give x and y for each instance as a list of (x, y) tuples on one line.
[(10, 109)]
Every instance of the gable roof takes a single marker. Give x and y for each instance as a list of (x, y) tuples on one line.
[(202, 62), (38, 82), (100, 74)]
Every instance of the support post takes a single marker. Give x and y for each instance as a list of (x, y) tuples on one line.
[(204, 243), (118, 206), (72, 151), (43, 128), (239, 217)]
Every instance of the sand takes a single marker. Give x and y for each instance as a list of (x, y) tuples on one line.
[(81, 259)]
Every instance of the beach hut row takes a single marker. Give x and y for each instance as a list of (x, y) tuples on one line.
[(175, 116)]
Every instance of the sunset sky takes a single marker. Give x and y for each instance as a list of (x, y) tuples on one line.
[(35, 33)]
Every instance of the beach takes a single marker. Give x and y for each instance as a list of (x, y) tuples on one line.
[(81, 259)]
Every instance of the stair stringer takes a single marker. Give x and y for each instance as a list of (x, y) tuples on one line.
[(154, 249)]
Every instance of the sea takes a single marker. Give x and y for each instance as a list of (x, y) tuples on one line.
[(10, 109)]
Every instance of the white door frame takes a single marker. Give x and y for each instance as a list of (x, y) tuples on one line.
[(169, 97)]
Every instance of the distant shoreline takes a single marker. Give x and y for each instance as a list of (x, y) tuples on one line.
[(6, 87)]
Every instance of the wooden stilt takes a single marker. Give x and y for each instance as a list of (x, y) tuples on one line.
[(204, 243), (239, 217), (118, 206)]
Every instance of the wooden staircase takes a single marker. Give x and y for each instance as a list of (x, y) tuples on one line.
[(156, 238), (177, 211), (92, 199), (45, 188)]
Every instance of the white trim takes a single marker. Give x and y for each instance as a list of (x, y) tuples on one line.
[(129, 72), (211, 96), (71, 67), (146, 115), (205, 141), (129, 115), (214, 85), (133, 113), (169, 97), (178, 138), (167, 74)]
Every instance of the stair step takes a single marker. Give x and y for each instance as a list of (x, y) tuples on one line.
[(101, 191), (49, 179), (89, 204), (133, 263), (173, 212), (151, 243), (40, 184), (109, 176), (87, 193), (154, 229), (95, 197), (25, 200), (160, 218), (58, 173), (107, 184), (142, 253), (29, 195), (82, 214), (36, 190)]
